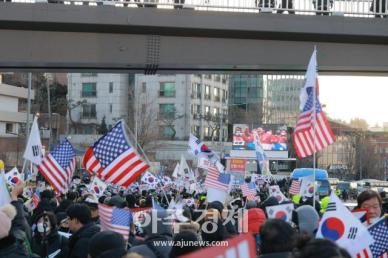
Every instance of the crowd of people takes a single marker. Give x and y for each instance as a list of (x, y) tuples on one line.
[(68, 225)]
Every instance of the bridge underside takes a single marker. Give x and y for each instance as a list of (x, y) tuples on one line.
[(106, 39)]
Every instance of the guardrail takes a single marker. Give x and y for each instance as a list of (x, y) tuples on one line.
[(352, 8)]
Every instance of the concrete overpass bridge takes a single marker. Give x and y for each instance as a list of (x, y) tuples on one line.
[(58, 37)]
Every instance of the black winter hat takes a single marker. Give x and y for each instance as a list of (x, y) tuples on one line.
[(106, 242)]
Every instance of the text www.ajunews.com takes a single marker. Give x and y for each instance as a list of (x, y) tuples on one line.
[(190, 243)]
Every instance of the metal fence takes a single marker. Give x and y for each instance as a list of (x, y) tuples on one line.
[(352, 8)]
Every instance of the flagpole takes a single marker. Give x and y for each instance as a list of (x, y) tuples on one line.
[(314, 122), (145, 156), (28, 117)]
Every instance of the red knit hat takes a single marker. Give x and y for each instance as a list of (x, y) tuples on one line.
[(256, 218)]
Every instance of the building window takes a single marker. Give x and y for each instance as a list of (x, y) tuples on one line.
[(166, 110), (196, 91), (89, 111), (110, 87), (143, 87), (166, 132), (216, 94), (224, 96), (195, 130), (167, 89), (206, 131), (111, 108), (89, 89), (208, 76), (207, 110), (207, 92), (217, 77), (216, 111), (8, 128)]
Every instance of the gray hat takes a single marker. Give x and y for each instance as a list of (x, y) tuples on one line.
[(308, 219)]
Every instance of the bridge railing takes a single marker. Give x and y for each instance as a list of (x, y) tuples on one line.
[(353, 8)]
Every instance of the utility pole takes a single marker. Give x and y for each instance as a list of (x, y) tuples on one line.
[(49, 111)]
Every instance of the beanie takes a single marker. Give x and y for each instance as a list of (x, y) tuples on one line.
[(7, 214), (105, 241), (256, 218), (308, 219)]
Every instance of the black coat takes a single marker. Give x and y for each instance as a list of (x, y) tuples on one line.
[(55, 242), (10, 248), (79, 241)]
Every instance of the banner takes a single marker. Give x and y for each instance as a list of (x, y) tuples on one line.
[(238, 165), (272, 137)]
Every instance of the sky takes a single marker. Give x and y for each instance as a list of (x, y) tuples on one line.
[(349, 97)]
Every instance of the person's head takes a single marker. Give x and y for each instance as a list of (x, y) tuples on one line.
[(79, 215), (277, 236), (321, 248), (184, 236), (371, 201), (62, 221), (46, 222), (161, 226), (107, 244), (256, 218), (7, 214), (307, 219), (117, 201), (92, 202)]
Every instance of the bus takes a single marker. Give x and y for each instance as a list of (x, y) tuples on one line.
[(321, 177)]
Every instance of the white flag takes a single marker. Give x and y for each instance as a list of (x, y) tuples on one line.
[(150, 180), (13, 176), (176, 170), (307, 186), (274, 190), (97, 187), (33, 151), (283, 211), (339, 225), (184, 169), (5, 198)]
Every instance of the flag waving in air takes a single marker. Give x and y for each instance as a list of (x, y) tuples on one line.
[(339, 225), (312, 131), (33, 150), (113, 158), (58, 166)]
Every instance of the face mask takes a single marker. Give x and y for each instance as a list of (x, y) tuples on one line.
[(40, 227)]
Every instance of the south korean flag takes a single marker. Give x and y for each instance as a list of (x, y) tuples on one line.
[(97, 187), (13, 177), (339, 225), (150, 180)]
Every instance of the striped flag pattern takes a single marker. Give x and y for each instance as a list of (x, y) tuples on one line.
[(217, 180), (113, 158), (115, 219), (249, 190), (312, 131), (58, 166), (295, 187)]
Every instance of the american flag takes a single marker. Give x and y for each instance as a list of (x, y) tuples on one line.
[(35, 200), (58, 166), (379, 231), (115, 219), (249, 190), (217, 180), (312, 132), (113, 158), (295, 187)]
